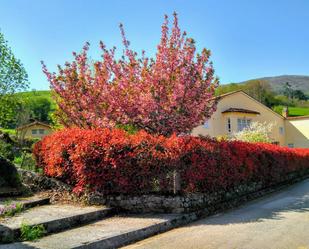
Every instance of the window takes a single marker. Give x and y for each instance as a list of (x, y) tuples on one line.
[(34, 132), (291, 145), (281, 130), (229, 125), (41, 131), (206, 124), (275, 143), (242, 123)]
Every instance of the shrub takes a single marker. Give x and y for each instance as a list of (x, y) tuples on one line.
[(255, 132), (30, 233), (6, 150), (113, 161)]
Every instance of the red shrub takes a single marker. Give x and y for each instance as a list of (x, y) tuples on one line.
[(112, 161)]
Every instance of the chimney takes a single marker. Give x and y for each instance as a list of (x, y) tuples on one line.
[(285, 111)]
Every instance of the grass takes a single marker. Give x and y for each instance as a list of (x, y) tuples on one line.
[(31, 233), (9, 131), (38, 94), (293, 111)]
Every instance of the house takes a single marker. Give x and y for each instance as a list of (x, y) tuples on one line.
[(34, 130), (236, 110)]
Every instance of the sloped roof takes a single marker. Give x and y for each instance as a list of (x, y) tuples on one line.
[(242, 92), (240, 110), (33, 123)]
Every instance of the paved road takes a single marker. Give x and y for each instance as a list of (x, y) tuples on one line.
[(279, 221)]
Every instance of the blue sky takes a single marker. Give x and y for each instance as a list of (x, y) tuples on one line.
[(248, 38)]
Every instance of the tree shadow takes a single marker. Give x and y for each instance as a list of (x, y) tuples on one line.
[(274, 206)]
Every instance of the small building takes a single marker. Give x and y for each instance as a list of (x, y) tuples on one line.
[(236, 110), (34, 130)]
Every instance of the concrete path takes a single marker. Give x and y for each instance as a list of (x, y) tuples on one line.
[(279, 221)]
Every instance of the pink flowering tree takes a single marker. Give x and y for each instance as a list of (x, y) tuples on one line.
[(170, 93)]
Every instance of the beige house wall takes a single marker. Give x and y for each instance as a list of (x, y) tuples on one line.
[(27, 131), (297, 132), (218, 121)]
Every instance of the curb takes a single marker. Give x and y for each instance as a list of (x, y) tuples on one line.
[(140, 234)]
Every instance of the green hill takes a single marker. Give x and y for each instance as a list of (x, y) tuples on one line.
[(298, 82), (38, 94)]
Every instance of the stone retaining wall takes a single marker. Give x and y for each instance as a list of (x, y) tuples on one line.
[(188, 203), (38, 182)]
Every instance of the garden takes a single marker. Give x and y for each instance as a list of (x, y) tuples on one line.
[(124, 126), (127, 124)]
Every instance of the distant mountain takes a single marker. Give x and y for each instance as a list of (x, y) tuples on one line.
[(298, 82)]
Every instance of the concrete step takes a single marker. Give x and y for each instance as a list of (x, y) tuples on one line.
[(54, 218), (7, 191), (27, 202), (108, 233)]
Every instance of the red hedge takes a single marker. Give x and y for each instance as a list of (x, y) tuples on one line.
[(112, 161)]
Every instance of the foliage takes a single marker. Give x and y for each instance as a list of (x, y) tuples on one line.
[(13, 76), (261, 91), (298, 94), (8, 131), (30, 233), (6, 150), (112, 161), (9, 108), (256, 132), (10, 209), (39, 103), (291, 93), (40, 109), (26, 161), (172, 92), (34, 94), (19, 108)]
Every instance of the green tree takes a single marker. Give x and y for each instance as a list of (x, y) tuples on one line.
[(288, 90), (40, 108), (298, 94), (13, 78), (261, 91), (9, 108)]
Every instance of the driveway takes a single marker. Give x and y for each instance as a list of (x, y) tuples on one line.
[(278, 221)]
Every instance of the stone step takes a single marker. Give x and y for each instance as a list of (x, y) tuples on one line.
[(54, 218), (27, 202), (108, 233), (8, 192)]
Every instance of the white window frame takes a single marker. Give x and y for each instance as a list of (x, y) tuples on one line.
[(34, 132), (281, 130), (41, 131), (243, 123)]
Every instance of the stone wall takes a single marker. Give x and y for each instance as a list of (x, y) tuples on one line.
[(187, 203), (38, 182)]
